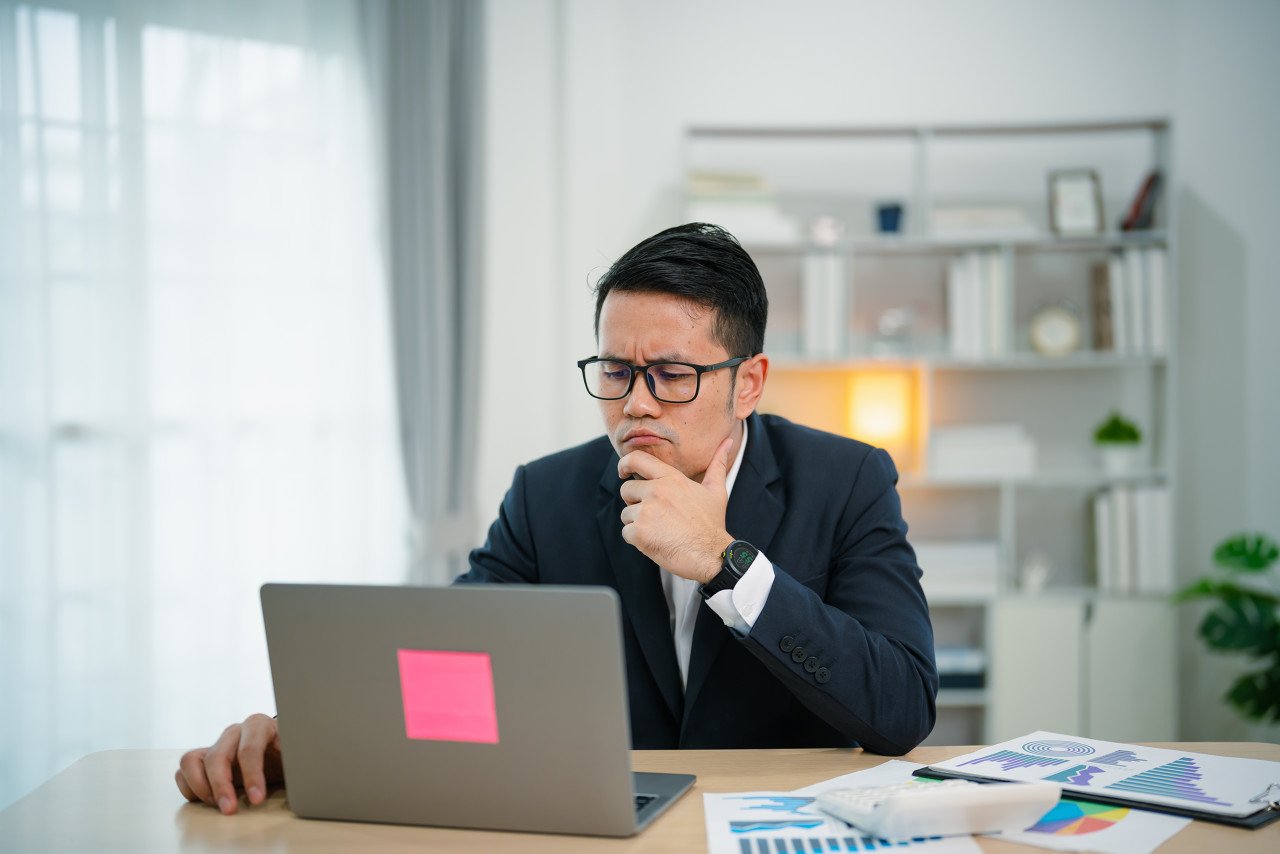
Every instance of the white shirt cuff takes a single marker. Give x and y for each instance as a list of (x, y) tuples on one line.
[(740, 606)]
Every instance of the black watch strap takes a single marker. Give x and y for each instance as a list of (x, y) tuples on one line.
[(734, 563)]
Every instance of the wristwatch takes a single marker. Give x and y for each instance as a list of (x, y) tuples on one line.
[(734, 563)]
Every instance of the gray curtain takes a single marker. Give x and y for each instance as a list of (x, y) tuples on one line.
[(425, 63)]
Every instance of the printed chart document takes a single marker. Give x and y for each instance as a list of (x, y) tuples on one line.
[(1193, 784), (769, 822), (773, 822)]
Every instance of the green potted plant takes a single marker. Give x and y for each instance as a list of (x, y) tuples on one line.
[(1119, 443), (1245, 619)]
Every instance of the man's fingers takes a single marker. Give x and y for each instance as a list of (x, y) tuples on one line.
[(718, 470), (191, 778), (217, 768), (183, 787), (644, 464), (634, 491), (255, 734)]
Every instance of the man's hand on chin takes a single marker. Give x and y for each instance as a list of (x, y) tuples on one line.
[(676, 522)]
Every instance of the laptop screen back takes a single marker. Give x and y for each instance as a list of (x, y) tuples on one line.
[(488, 706)]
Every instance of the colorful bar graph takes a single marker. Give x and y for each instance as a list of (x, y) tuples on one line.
[(1011, 759), (1177, 779), (820, 845)]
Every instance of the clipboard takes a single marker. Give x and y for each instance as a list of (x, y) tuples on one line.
[(1142, 777), (1267, 813)]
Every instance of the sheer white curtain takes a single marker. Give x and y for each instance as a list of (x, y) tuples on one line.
[(196, 393)]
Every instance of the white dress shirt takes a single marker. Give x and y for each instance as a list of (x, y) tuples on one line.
[(738, 607)]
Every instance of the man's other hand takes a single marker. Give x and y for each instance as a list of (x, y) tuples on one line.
[(676, 522), (246, 754)]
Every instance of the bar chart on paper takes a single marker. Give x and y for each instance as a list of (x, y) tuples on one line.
[(1176, 780), (787, 823)]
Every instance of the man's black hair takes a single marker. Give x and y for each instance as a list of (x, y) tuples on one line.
[(706, 265)]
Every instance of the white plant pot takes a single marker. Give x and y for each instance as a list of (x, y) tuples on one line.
[(1123, 458)]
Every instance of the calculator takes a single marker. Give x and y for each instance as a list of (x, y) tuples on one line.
[(921, 808)]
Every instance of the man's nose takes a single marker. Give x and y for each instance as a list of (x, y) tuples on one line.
[(641, 401)]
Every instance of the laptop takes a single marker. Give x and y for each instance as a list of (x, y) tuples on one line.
[(501, 707)]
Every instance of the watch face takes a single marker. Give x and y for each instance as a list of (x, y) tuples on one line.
[(741, 557)]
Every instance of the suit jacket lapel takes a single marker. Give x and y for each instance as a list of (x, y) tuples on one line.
[(753, 515), (640, 590)]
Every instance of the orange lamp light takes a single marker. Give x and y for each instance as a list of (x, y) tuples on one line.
[(881, 408)]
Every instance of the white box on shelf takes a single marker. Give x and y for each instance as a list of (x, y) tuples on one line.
[(981, 450), (959, 569)]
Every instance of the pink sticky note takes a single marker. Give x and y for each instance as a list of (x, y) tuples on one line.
[(448, 696)]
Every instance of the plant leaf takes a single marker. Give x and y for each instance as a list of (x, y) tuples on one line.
[(1245, 622), (1257, 694), (1205, 588), (1246, 553)]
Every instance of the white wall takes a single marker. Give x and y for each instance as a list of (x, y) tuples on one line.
[(1228, 124), (590, 99)]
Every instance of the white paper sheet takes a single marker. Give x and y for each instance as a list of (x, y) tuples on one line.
[(775, 822), (1216, 784), (737, 824)]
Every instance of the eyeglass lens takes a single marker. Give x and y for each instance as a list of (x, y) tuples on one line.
[(671, 382)]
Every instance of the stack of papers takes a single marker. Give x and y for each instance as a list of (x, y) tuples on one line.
[(774, 822)]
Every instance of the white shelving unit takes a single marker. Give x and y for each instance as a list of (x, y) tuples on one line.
[(810, 197)]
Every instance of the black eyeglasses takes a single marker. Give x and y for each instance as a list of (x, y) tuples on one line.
[(669, 382)]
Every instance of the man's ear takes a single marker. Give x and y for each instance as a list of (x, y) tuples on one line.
[(750, 385)]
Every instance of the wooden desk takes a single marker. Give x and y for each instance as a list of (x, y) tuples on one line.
[(125, 800)]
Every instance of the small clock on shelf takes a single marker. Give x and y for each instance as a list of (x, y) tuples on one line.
[(1056, 329)]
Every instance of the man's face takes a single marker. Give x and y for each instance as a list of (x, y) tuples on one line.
[(642, 328)]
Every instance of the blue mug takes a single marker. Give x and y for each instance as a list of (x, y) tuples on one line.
[(889, 217)]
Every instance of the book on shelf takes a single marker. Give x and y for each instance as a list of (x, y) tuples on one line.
[(978, 299), (1130, 301), (1100, 299), (959, 569), (1132, 530), (825, 297), (743, 203)]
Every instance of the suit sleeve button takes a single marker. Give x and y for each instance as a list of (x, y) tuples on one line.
[(797, 654), (788, 643), (811, 664), (823, 676)]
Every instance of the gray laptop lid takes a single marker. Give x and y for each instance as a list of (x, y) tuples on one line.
[(488, 706)]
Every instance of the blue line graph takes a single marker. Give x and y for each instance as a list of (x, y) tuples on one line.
[(774, 803), (1118, 758), (1076, 775), (1010, 759)]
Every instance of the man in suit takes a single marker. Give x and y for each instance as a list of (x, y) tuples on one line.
[(770, 596)]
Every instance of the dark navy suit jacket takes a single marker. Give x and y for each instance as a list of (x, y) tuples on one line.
[(841, 655)]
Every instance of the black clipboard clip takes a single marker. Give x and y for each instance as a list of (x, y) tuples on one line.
[(1269, 796)]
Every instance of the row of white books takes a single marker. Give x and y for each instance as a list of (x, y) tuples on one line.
[(1131, 302), (1132, 531), (978, 304)]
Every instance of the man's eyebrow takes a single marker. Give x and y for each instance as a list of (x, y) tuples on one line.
[(661, 357)]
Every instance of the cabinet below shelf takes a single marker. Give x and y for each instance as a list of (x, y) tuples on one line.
[(955, 698)]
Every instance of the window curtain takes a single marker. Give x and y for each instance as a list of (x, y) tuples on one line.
[(196, 382), (426, 62)]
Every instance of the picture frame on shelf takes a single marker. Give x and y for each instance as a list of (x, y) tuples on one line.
[(1075, 203)]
